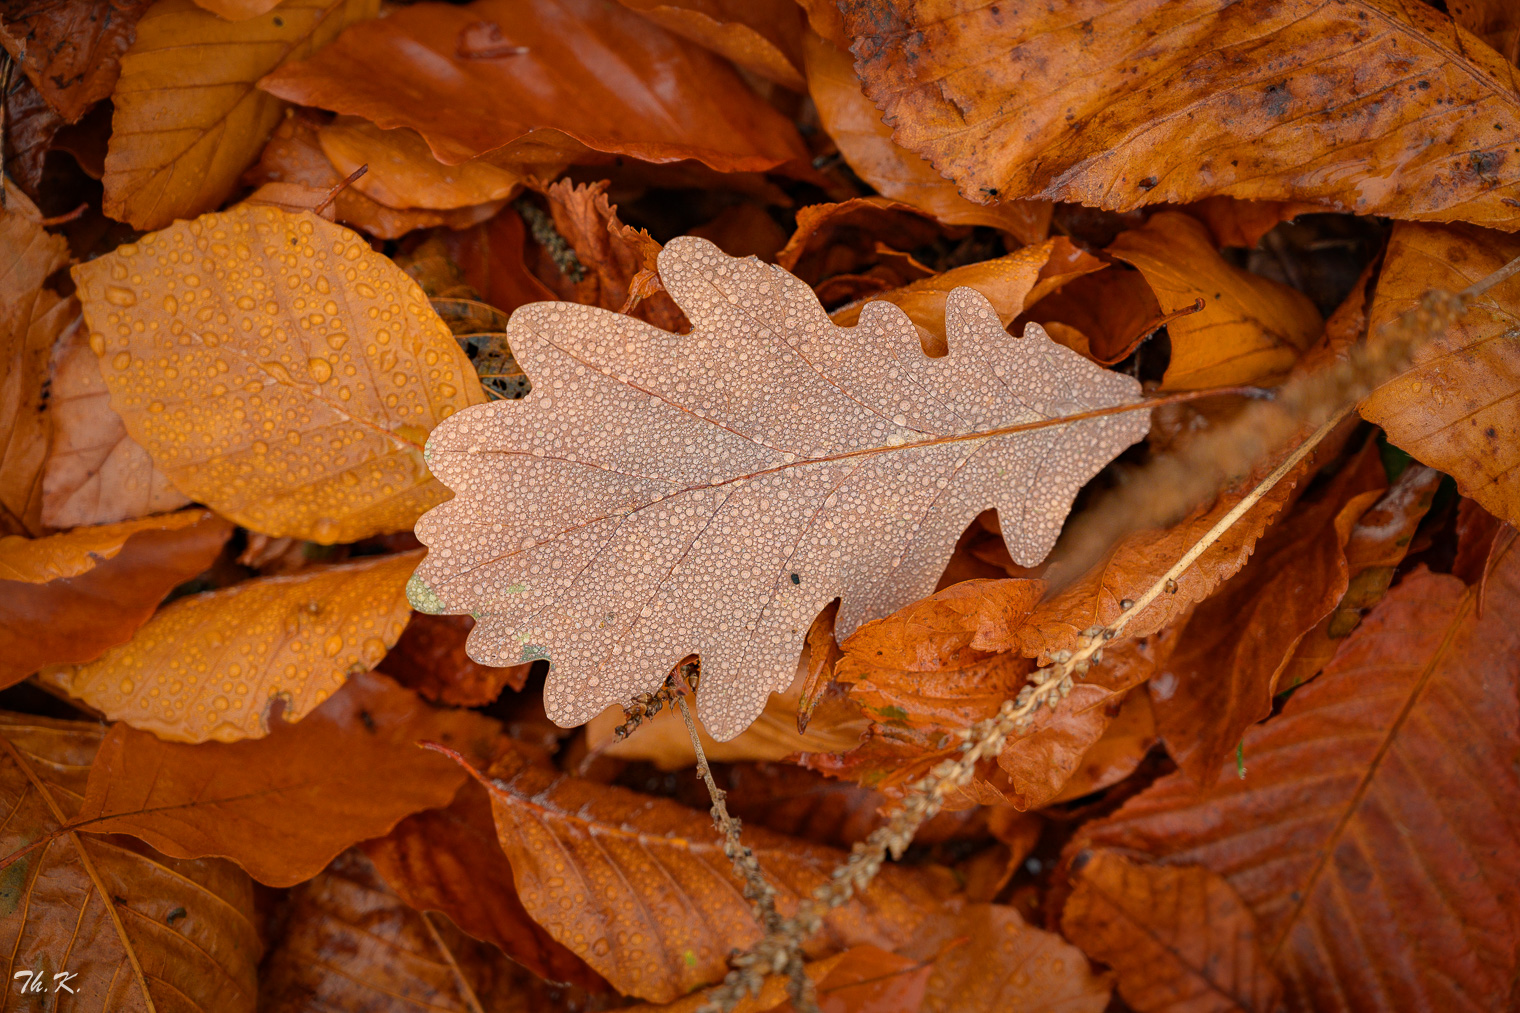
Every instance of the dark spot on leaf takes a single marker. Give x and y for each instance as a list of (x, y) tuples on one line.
[(175, 915), (1149, 182), (367, 720), (798, 580)]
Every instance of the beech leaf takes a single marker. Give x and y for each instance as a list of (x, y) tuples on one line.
[(713, 491)]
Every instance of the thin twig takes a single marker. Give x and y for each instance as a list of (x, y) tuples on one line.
[(339, 187)]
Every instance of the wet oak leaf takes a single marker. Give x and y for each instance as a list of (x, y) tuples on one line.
[(1378, 814), (595, 80), (715, 502), (188, 118), (355, 760), (1375, 107), (1456, 409), (70, 50), (212, 666), (40, 560), (143, 932), (298, 408), (639, 887), (1178, 938), (76, 619)]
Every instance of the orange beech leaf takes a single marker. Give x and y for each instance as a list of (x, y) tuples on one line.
[(866, 144), (1375, 548), (294, 411), (238, 10), (39, 560), (76, 619), (543, 79), (1235, 222), (763, 36), (1128, 737), (354, 759), (1222, 676), (1251, 329), (1374, 835), (350, 943), (449, 860), (639, 887), (214, 666), (142, 932), (719, 488), (70, 51), (188, 119), (1177, 938), (862, 979), (95, 472), (404, 174), (1062, 104), (32, 317), (430, 658), (1114, 310), (1496, 22), (1455, 409)]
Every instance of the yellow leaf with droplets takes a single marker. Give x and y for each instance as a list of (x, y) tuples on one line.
[(277, 370), (39, 560), (188, 116), (212, 666)]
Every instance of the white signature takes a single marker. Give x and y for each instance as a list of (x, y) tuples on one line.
[(34, 981)]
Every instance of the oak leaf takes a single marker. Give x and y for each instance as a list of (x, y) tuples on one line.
[(70, 51), (616, 876), (1397, 857), (188, 119), (1184, 114), (213, 666), (298, 409), (354, 759), (584, 80), (1455, 409), (76, 619), (715, 502), (1177, 938), (142, 932)]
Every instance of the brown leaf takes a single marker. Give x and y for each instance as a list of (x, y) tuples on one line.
[(1251, 329), (70, 50), (30, 126), (862, 979), (594, 78), (212, 666), (763, 36), (831, 239), (1374, 834), (76, 619), (32, 317), (449, 860), (314, 431), (1177, 938), (188, 119), (1455, 409), (639, 887), (1114, 310), (95, 473), (793, 475), (491, 258), (355, 760), (141, 931), (866, 144), (40, 560), (238, 10), (1127, 737), (1235, 222), (1123, 104), (430, 659), (1493, 21), (1222, 676)]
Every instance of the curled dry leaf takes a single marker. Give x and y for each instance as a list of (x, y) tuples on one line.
[(1401, 834), (607, 80), (354, 759), (292, 409), (1455, 409), (40, 560), (76, 619), (188, 118), (214, 666), (715, 502), (866, 144), (640, 888), (402, 172), (1112, 310), (430, 658), (142, 932), (70, 50), (95, 472), (762, 36), (1250, 330), (1376, 107), (1177, 938), (845, 238)]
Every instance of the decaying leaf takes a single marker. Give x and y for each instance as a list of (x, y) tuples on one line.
[(294, 409), (188, 118), (721, 487), (1368, 106), (213, 666), (141, 932), (70, 49)]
